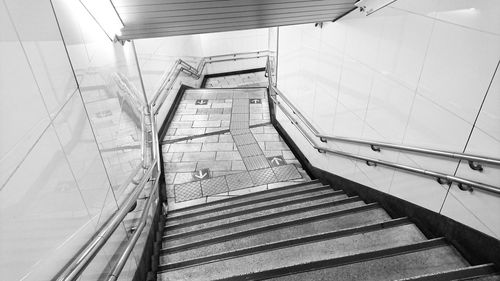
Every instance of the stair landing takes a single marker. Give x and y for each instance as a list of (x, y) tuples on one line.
[(221, 144)]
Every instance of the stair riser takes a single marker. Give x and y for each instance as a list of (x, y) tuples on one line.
[(272, 218), (300, 254), (255, 206), (388, 268), (243, 198), (166, 262), (293, 231), (260, 227), (253, 214)]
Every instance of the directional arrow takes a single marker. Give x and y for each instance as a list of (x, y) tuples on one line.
[(276, 160), (255, 101), (200, 174), (201, 102)]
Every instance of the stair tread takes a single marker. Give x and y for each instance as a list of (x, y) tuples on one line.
[(493, 277), (249, 215), (268, 203), (310, 252), (202, 235), (388, 268), (244, 198), (333, 224)]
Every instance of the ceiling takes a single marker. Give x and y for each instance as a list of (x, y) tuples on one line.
[(161, 18)]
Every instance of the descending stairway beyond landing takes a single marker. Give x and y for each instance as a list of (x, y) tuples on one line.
[(306, 231)]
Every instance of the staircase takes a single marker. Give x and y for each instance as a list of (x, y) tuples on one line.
[(306, 231)]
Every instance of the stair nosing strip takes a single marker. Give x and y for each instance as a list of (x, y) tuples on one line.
[(263, 218), (266, 228), (236, 205), (340, 261), (288, 243), (253, 210), (245, 196), (457, 274)]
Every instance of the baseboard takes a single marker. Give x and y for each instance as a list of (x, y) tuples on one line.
[(222, 74)]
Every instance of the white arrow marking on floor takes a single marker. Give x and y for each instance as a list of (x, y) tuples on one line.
[(254, 101), (276, 160), (200, 174)]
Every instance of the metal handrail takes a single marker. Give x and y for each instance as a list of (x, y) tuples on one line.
[(168, 79), (463, 184), (375, 145), (80, 262)]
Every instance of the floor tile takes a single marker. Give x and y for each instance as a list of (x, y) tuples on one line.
[(239, 181), (263, 176), (286, 172), (244, 139), (187, 191), (256, 162), (214, 186), (250, 150)]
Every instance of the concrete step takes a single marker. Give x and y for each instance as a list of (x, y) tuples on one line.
[(250, 198), (254, 214), (287, 199), (359, 223), (300, 254), (268, 220), (171, 246), (391, 267), (483, 272), (493, 277), (359, 217)]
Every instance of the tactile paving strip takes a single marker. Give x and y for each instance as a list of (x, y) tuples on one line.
[(240, 109), (263, 176), (236, 132), (239, 125), (286, 172), (210, 111), (255, 162), (239, 181), (240, 117), (248, 150), (214, 186), (244, 139), (187, 191)]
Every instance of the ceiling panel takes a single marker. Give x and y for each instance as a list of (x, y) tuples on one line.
[(160, 18)]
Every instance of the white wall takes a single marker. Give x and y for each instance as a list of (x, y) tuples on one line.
[(415, 73), (157, 55), (55, 188)]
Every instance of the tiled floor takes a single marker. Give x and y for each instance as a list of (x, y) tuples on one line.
[(236, 155)]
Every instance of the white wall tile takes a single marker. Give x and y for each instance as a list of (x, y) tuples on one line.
[(389, 108), (489, 117), (422, 7), (401, 54), (478, 14), (477, 209), (414, 72), (420, 190), (42, 42), (458, 68), (74, 132), (22, 110), (46, 202), (432, 126), (482, 144)]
